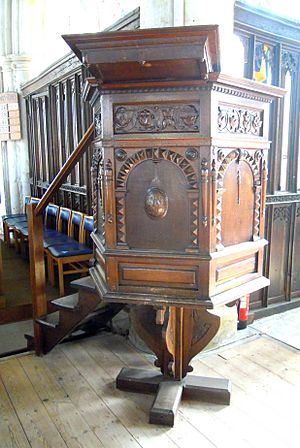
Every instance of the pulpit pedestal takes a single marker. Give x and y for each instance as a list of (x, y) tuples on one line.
[(179, 184)]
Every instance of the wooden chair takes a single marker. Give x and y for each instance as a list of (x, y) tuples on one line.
[(71, 257), (10, 220), (21, 229), (21, 226)]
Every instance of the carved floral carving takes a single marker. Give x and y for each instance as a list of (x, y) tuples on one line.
[(239, 121), (156, 118)]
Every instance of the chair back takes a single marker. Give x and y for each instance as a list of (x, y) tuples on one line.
[(64, 220), (26, 202), (34, 200), (51, 216), (86, 230), (75, 225)]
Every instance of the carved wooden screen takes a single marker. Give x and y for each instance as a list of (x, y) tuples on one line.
[(57, 118), (272, 54)]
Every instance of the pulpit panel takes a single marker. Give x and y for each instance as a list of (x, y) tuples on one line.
[(156, 192), (238, 204)]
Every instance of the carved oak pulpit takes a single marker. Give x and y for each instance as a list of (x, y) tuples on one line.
[(179, 183)]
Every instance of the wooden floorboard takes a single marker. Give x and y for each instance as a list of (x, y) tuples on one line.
[(68, 399), (11, 431)]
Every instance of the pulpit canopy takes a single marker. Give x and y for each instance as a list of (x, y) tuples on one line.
[(163, 54)]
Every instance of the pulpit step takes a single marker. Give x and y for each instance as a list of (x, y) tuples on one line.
[(84, 283), (50, 320), (70, 302)]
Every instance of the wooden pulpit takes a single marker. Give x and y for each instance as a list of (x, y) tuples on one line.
[(179, 183)]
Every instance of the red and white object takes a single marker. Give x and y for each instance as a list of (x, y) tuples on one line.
[(243, 311)]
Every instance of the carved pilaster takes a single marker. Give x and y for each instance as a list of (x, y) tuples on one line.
[(97, 201), (98, 124), (204, 191)]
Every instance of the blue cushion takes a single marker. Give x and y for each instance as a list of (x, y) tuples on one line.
[(88, 224), (59, 239), (14, 216), (24, 231), (65, 214), (14, 221), (21, 225), (50, 232), (69, 250), (52, 210), (76, 219)]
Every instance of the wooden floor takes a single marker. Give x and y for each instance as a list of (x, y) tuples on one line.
[(68, 399)]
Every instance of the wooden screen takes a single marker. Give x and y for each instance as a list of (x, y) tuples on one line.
[(272, 54)]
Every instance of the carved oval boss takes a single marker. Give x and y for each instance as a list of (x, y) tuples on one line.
[(156, 203)]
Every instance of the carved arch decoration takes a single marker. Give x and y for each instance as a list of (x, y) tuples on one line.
[(224, 159), (97, 200), (157, 154)]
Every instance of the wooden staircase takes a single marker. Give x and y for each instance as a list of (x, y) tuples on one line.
[(83, 310)]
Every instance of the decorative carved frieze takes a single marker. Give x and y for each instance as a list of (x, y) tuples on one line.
[(295, 197), (156, 118), (239, 121)]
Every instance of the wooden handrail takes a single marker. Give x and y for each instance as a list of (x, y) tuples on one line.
[(64, 172), (35, 238)]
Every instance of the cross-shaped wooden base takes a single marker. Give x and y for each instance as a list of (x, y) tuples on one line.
[(169, 392)]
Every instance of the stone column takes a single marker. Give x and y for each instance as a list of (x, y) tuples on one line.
[(15, 70)]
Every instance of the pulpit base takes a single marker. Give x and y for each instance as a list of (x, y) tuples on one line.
[(170, 392)]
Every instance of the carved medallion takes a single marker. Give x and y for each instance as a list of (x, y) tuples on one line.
[(121, 155), (191, 154), (156, 203)]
